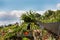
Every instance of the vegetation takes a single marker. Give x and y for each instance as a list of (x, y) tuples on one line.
[(29, 17), (51, 16)]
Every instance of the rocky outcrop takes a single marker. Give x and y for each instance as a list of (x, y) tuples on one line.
[(53, 28)]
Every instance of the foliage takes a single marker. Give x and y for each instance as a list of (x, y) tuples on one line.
[(51, 16), (29, 17)]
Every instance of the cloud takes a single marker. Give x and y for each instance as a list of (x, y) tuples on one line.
[(8, 22), (40, 12), (58, 5), (8, 17), (17, 13), (2, 13), (1, 23)]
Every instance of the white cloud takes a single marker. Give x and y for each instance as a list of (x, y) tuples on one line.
[(7, 22), (12, 15), (40, 12), (2, 13), (1, 23), (17, 13), (58, 5)]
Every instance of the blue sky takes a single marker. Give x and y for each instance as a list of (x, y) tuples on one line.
[(10, 10), (28, 4)]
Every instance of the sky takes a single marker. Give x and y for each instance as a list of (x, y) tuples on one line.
[(11, 10)]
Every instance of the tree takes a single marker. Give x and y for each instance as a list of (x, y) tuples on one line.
[(30, 16)]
